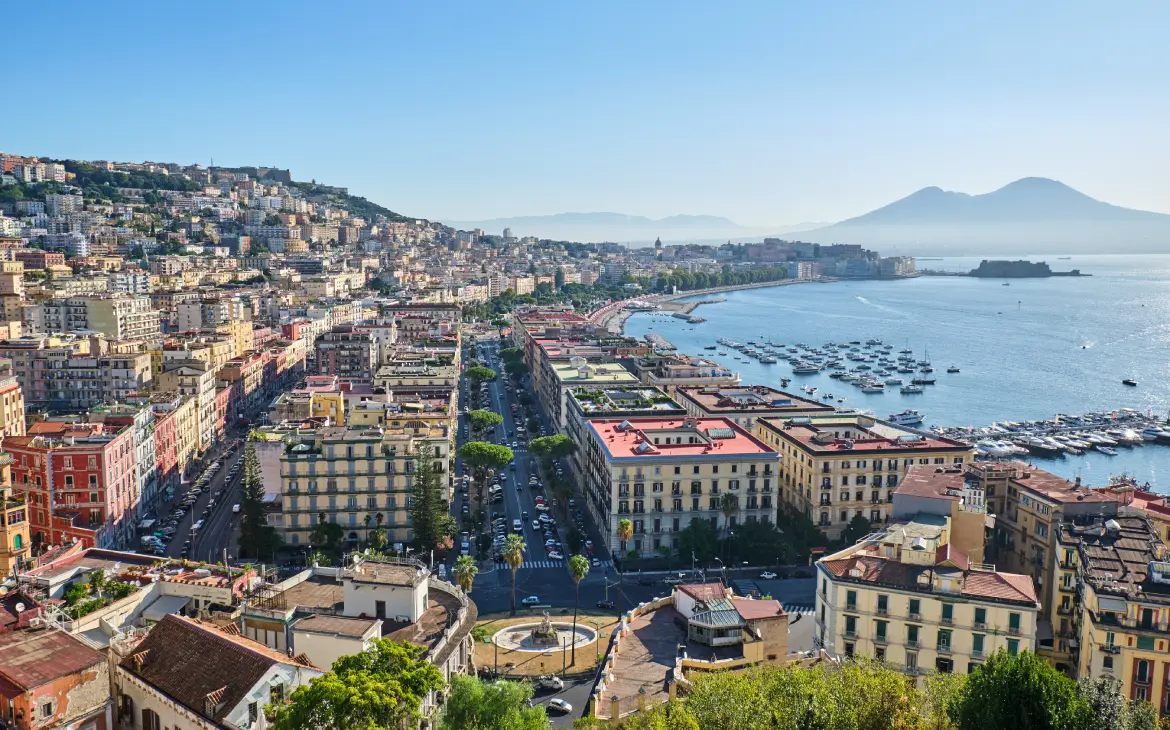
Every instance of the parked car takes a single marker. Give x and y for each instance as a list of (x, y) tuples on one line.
[(550, 681), (560, 705), (767, 575), (530, 600), (605, 604)]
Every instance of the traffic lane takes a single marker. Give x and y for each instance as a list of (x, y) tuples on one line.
[(576, 693), (219, 528), (183, 527)]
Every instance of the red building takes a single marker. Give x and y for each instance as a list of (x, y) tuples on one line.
[(37, 259), (226, 407), (166, 454), (79, 480)]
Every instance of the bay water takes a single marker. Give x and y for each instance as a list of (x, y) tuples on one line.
[(1027, 350)]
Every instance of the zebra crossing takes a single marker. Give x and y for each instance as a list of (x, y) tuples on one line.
[(793, 609), (538, 564)]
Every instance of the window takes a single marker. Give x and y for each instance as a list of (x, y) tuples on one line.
[(851, 600), (1013, 646), (980, 616), (47, 710), (879, 654), (977, 643), (150, 720), (912, 635), (883, 604), (948, 613), (1014, 623), (276, 694), (851, 626), (849, 649), (1107, 662), (915, 609), (911, 661), (880, 630), (944, 640)]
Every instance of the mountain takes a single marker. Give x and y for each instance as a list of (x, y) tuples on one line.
[(1031, 215), (635, 230)]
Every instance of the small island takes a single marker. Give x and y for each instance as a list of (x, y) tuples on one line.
[(1018, 270)]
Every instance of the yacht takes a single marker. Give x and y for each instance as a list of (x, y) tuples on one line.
[(805, 369), (911, 389), (768, 360), (873, 388), (923, 381), (894, 381), (906, 418), (1107, 450), (1151, 434), (953, 369)]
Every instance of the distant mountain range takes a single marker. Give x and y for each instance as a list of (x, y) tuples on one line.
[(635, 230), (1032, 215)]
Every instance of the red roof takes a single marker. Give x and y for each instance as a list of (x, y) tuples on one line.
[(750, 610), (703, 591), (714, 437)]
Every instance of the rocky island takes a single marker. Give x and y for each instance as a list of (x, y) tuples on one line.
[(1018, 270)]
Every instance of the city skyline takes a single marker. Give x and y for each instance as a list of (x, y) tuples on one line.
[(768, 116)]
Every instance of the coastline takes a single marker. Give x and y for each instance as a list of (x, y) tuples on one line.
[(613, 316)]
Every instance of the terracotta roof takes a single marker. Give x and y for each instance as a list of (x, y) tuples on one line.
[(1006, 586), (750, 610), (191, 661), (33, 658), (703, 591), (950, 554)]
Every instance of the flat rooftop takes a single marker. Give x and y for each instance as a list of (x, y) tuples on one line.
[(642, 400), (336, 625), (750, 399), (674, 438), (600, 373), (850, 432)]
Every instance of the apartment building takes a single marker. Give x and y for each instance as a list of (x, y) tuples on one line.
[(909, 598), (744, 404), (247, 373), (194, 378), (1119, 607), (140, 419), (833, 468), (347, 352), (662, 473), (70, 372), (15, 541), (79, 481), (578, 373), (209, 313), (673, 371), (12, 416), (346, 473), (117, 317)]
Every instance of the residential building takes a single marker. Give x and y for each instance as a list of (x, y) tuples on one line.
[(834, 468), (121, 317), (662, 473), (347, 352), (669, 372), (228, 686), (347, 473), (49, 679), (909, 598), (194, 378), (15, 543), (12, 416), (575, 374)]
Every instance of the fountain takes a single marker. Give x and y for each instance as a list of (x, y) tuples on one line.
[(544, 634)]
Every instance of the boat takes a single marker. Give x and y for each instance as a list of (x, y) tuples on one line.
[(1007, 283), (911, 389), (1129, 381), (710, 347), (1151, 434), (805, 369), (894, 381), (953, 369), (768, 360), (1107, 450), (906, 418), (873, 388), (923, 381)]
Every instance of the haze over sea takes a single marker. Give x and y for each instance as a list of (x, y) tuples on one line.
[(1027, 351)]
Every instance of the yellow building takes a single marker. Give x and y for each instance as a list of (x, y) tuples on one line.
[(908, 598), (1122, 622), (834, 468), (1029, 504), (15, 549)]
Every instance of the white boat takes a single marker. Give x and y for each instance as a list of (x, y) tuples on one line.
[(906, 418), (1107, 450), (1151, 434), (873, 388), (894, 381), (911, 389), (805, 369)]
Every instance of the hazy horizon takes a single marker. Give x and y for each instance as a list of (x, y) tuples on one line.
[(766, 114)]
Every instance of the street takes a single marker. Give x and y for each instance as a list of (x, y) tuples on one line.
[(219, 525)]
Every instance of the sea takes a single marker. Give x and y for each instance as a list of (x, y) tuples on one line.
[(1026, 348)]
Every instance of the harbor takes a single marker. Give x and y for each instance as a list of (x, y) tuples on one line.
[(1063, 435)]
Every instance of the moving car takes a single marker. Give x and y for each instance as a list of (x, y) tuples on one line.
[(767, 575), (530, 600), (560, 705), (550, 681), (605, 604)]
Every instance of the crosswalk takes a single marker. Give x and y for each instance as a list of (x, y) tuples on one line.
[(538, 564), (793, 609)]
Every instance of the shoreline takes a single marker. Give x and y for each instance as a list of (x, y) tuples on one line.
[(613, 316)]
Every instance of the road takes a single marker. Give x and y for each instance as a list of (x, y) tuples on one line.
[(219, 528)]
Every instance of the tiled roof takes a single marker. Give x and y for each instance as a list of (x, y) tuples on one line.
[(758, 609), (978, 583), (191, 661), (1005, 586), (950, 554)]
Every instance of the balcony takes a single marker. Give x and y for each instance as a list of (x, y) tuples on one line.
[(850, 634), (1014, 630), (976, 653), (882, 611), (1064, 610), (980, 625), (1111, 649), (881, 639), (850, 606), (945, 649), (914, 616), (913, 644), (947, 620)]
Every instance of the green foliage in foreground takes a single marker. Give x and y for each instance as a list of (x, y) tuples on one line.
[(1007, 693)]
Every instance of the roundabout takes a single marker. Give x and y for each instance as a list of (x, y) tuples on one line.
[(543, 636)]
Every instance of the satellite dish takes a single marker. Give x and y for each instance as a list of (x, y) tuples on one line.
[(19, 607)]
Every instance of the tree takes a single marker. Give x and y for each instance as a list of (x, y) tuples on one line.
[(482, 456), (513, 553), (511, 354), (382, 687), (465, 572), (97, 582), (1109, 708), (428, 501), (625, 530), (480, 374), (254, 530), (500, 324), (1023, 692), (482, 420), (516, 369), (558, 279), (326, 534), (551, 448), (578, 569), (698, 539), (728, 506), (498, 705), (857, 528)]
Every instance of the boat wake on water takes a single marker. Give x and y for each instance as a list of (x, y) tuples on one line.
[(882, 307)]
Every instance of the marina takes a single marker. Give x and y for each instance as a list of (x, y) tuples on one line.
[(1063, 435)]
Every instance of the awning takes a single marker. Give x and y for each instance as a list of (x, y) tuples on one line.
[(164, 606), (1105, 603)]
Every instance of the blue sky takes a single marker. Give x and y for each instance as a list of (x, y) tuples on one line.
[(767, 113)]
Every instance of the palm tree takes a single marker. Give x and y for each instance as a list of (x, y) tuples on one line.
[(625, 530), (514, 548), (578, 569), (728, 505), (368, 519), (465, 572)]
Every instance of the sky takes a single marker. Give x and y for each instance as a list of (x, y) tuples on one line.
[(767, 113)]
